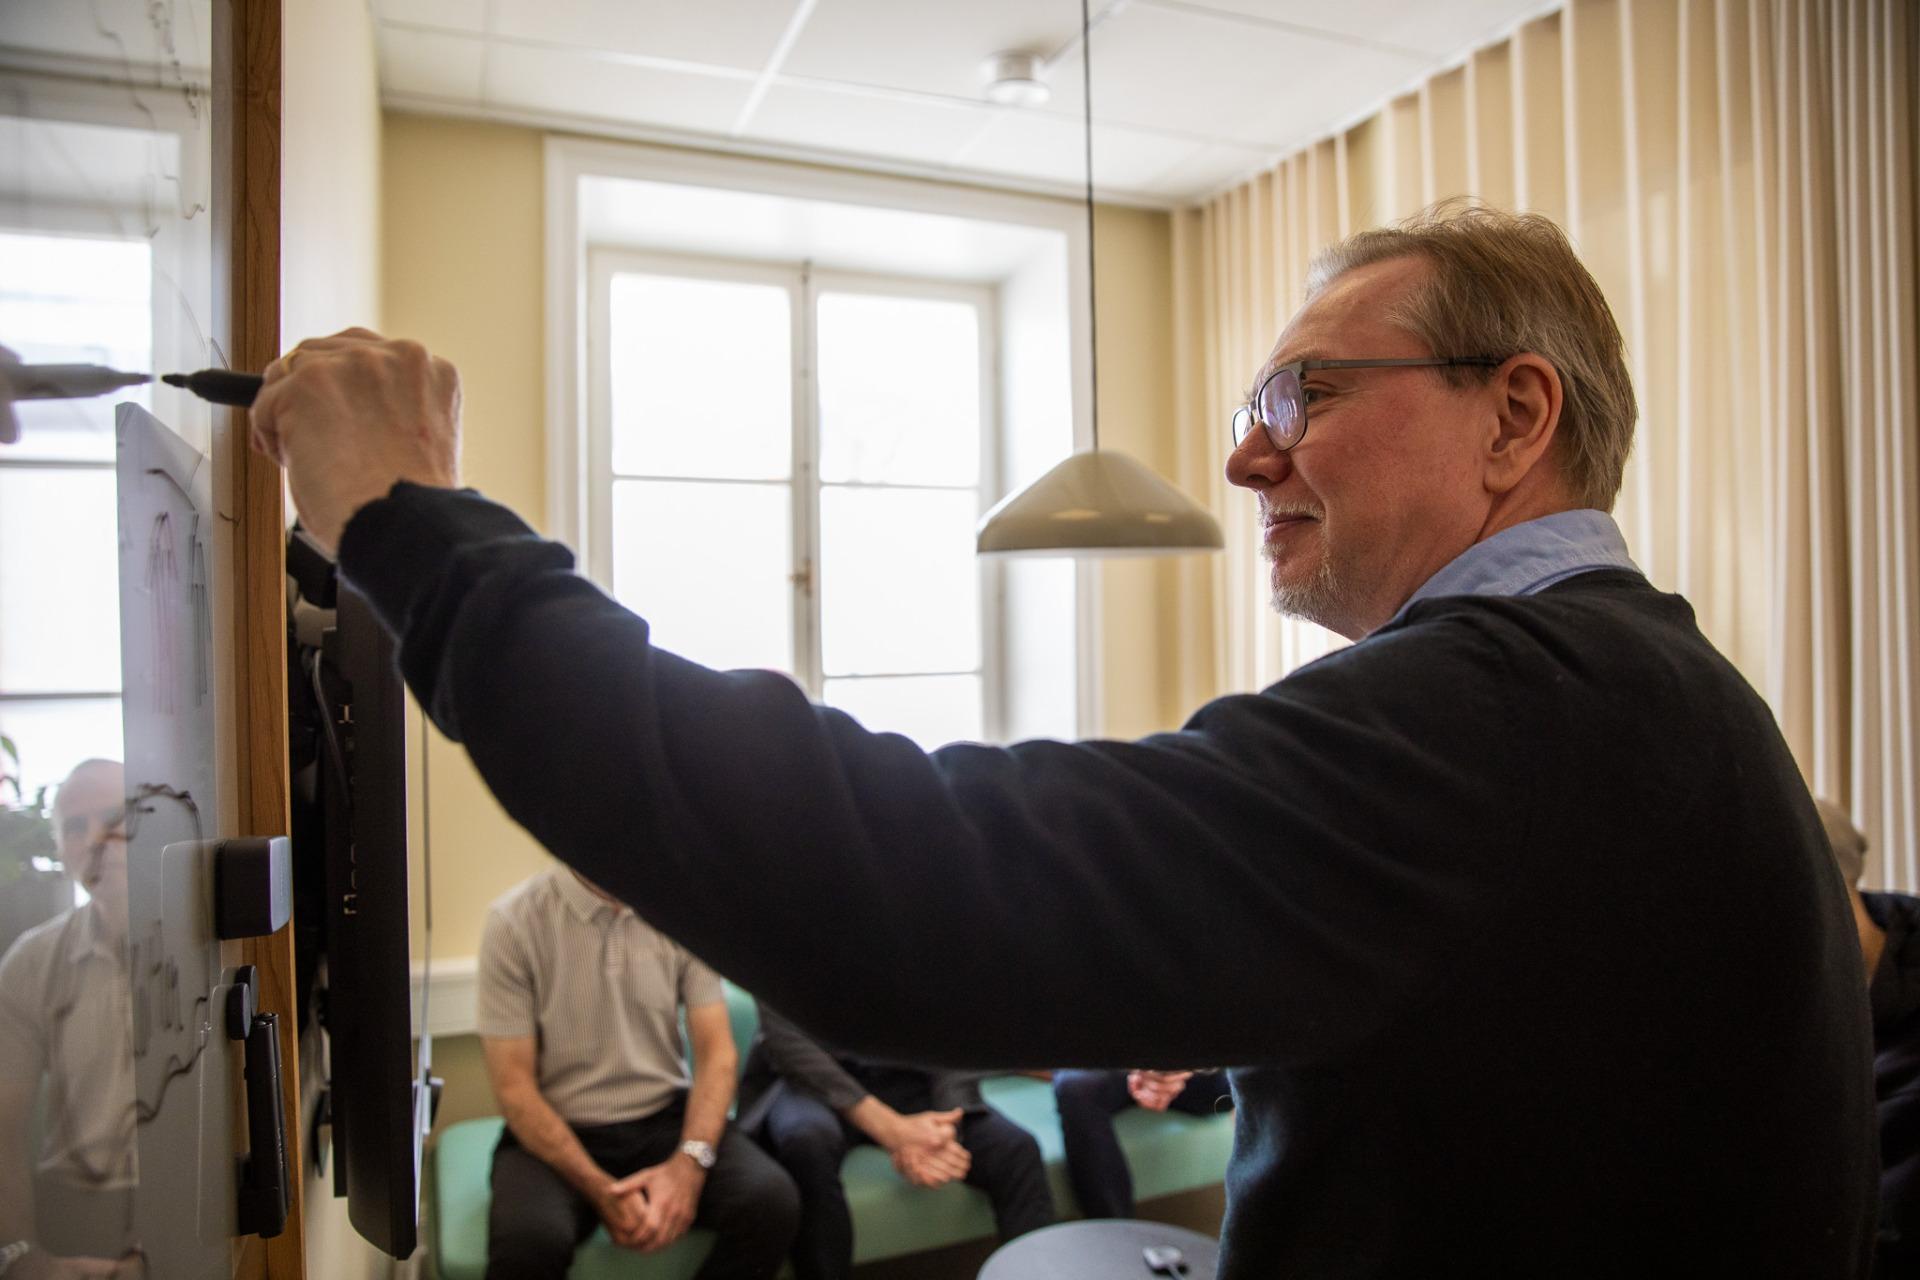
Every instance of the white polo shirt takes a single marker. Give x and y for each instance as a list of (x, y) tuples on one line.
[(598, 989)]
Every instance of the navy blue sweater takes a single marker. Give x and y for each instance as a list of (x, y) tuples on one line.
[(1458, 894)]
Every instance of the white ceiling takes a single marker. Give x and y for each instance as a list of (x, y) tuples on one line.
[(1189, 95)]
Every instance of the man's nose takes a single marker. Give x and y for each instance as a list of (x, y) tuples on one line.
[(1256, 464)]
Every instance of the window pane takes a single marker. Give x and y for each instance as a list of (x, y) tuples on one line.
[(55, 734), (72, 300), (707, 566), (59, 581), (899, 582), (899, 390), (932, 710), (701, 378)]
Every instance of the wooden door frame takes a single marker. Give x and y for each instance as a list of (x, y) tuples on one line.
[(246, 256)]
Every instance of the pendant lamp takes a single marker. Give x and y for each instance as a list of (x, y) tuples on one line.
[(1097, 503)]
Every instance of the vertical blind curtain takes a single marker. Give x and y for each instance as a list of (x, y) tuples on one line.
[(1740, 176)]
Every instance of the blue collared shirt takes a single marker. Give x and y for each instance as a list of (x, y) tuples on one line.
[(1531, 557)]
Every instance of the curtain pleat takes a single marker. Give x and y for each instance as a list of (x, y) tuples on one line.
[(1740, 177)]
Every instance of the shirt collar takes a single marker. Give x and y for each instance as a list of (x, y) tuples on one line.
[(582, 901), (86, 935), (1530, 557)]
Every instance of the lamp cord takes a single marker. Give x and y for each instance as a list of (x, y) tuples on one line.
[(1093, 297)]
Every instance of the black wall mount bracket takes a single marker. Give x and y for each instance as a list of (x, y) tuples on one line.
[(263, 1175)]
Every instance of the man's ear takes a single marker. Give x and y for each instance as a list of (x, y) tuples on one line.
[(1527, 402)]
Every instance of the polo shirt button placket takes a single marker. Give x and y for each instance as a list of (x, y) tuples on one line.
[(615, 949)]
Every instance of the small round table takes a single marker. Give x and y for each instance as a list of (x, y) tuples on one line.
[(1103, 1249)]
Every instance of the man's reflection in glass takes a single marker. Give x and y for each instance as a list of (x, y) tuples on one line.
[(67, 1153)]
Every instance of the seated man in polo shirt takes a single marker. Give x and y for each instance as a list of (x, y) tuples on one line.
[(579, 1019)]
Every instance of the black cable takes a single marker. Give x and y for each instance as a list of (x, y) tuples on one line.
[(335, 755), (426, 875), (1093, 297)]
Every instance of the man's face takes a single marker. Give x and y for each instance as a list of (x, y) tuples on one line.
[(1386, 486), (89, 828)]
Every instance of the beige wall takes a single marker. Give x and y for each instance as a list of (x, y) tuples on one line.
[(462, 229), (330, 172)]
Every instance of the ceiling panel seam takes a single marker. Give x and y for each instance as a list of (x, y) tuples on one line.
[(1290, 28), (795, 25)]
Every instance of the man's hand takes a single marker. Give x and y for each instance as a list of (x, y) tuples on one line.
[(350, 415), (921, 1129), (669, 1194), (925, 1147), (623, 1211), (1156, 1090), (933, 1166)]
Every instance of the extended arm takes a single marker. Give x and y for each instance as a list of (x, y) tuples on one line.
[(716, 1066), (16, 1159), (997, 891)]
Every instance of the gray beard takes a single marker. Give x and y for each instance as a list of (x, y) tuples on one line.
[(1321, 599)]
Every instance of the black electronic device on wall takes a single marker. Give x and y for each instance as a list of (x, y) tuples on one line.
[(347, 741)]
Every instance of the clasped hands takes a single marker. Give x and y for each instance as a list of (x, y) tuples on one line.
[(652, 1208), (925, 1148), (1156, 1090)]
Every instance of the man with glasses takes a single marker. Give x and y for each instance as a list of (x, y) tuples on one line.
[(1441, 891)]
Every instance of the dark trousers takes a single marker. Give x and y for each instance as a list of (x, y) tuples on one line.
[(1096, 1167), (809, 1139), (537, 1219)]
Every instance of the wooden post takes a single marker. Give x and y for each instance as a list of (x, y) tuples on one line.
[(247, 79)]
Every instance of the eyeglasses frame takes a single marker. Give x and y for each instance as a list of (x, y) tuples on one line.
[(1299, 367)]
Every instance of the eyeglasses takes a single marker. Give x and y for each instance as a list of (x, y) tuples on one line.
[(1279, 407)]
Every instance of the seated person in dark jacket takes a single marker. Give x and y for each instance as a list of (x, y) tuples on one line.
[(809, 1105), (1088, 1102), (1889, 927)]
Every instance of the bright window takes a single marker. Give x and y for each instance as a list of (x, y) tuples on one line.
[(787, 471), (65, 299)]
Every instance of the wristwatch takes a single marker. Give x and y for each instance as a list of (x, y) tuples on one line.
[(701, 1153)]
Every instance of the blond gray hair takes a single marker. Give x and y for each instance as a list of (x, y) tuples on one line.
[(1503, 283)]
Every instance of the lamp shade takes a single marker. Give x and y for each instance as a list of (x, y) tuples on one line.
[(1097, 503)]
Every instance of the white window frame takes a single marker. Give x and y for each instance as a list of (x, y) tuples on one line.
[(804, 285), (571, 477)]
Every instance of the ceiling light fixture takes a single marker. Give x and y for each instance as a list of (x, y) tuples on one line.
[(1096, 503), (1014, 80)]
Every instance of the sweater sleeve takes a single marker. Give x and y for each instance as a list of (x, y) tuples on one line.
[(1258, 887), (806, 1066)]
